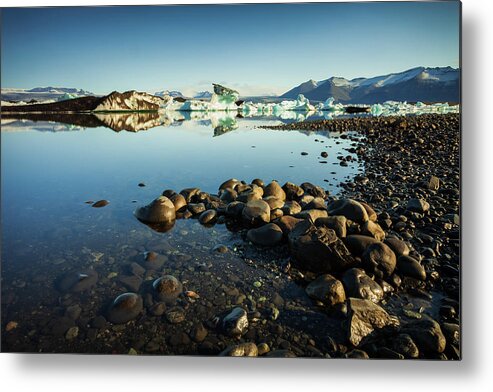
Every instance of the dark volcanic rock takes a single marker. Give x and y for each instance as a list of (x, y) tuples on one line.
[(319, 249)]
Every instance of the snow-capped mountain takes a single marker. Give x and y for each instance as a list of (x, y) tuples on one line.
[(203, 95), (439, 84), (172, 93), (42, 94)]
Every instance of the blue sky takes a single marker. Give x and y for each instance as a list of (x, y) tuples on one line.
[(254, 48)]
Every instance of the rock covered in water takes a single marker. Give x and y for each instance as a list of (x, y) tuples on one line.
[(152, 260), (160, 210), (327, 290), (364, 317), (124, 308), (167, 288), (77, 281), (319, 249), (267, 235)]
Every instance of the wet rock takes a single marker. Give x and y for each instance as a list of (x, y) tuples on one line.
[(219, 248), (228, 195), (427, 335), (287, 223), (418, 205), (152, 260), (198, 333), (100, 203), (327, 290), (275, 214), (364, 317), (399, 247), (349, 208), (77, 281), (124, 308), (378, 258), (313, 190), (409, 266), (318, 249), (372, 215), (229, 184), (240, 350), (258, 182), (72, 333), (136, 269), (233, 323), (357, 244), (158, 309), (208, 217), (160, 210), (131, 282), (167, 288), (274, 189), (336, 223), (292, 191), (267, 235), (263, 348), (357, 354), (256, 212), (373, 229), (317, 203), (359, 285), (73, 312)]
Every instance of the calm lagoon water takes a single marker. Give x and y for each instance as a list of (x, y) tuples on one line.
[(50, 170)]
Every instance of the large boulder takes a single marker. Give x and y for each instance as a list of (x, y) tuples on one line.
[(373, 229), (349, 208), (287, 223), (410, 267), (336, 223), (357, 243), (399, 247), (274, 189), (365, 317), (327, 290), (427, 335), (318, 249), (293, 191)]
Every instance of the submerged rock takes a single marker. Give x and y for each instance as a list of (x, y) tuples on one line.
[(77, 281), (167, 288), (100, 203), (124, 308), (153, 260), (160, 210)]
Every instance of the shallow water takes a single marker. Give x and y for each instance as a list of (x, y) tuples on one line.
[(50, 170)]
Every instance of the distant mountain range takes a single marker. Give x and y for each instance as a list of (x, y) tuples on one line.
[(172, 93), (439, 84), (42, 94), (203, 95)]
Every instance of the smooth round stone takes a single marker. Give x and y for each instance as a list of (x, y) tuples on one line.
[(327, 290), (274, 202), (267, 235), (196, 208), (349, 208), (317, 203), (167, 288), (379, 259), (410, 267), (220, 248), (372, 215), (124, 308), (168, 193), (256, 212), (228, 195), (178, 201), (189, 193), (258, 182), (291, 208), (286, 223), (275, 214), (208, 217), (241, 350), (77, 281), (160, 210), (399, 247), (274, 189)]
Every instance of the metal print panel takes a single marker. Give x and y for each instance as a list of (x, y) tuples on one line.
[(269, 180)]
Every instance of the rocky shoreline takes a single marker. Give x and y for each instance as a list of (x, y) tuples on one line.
[(373, 273)]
